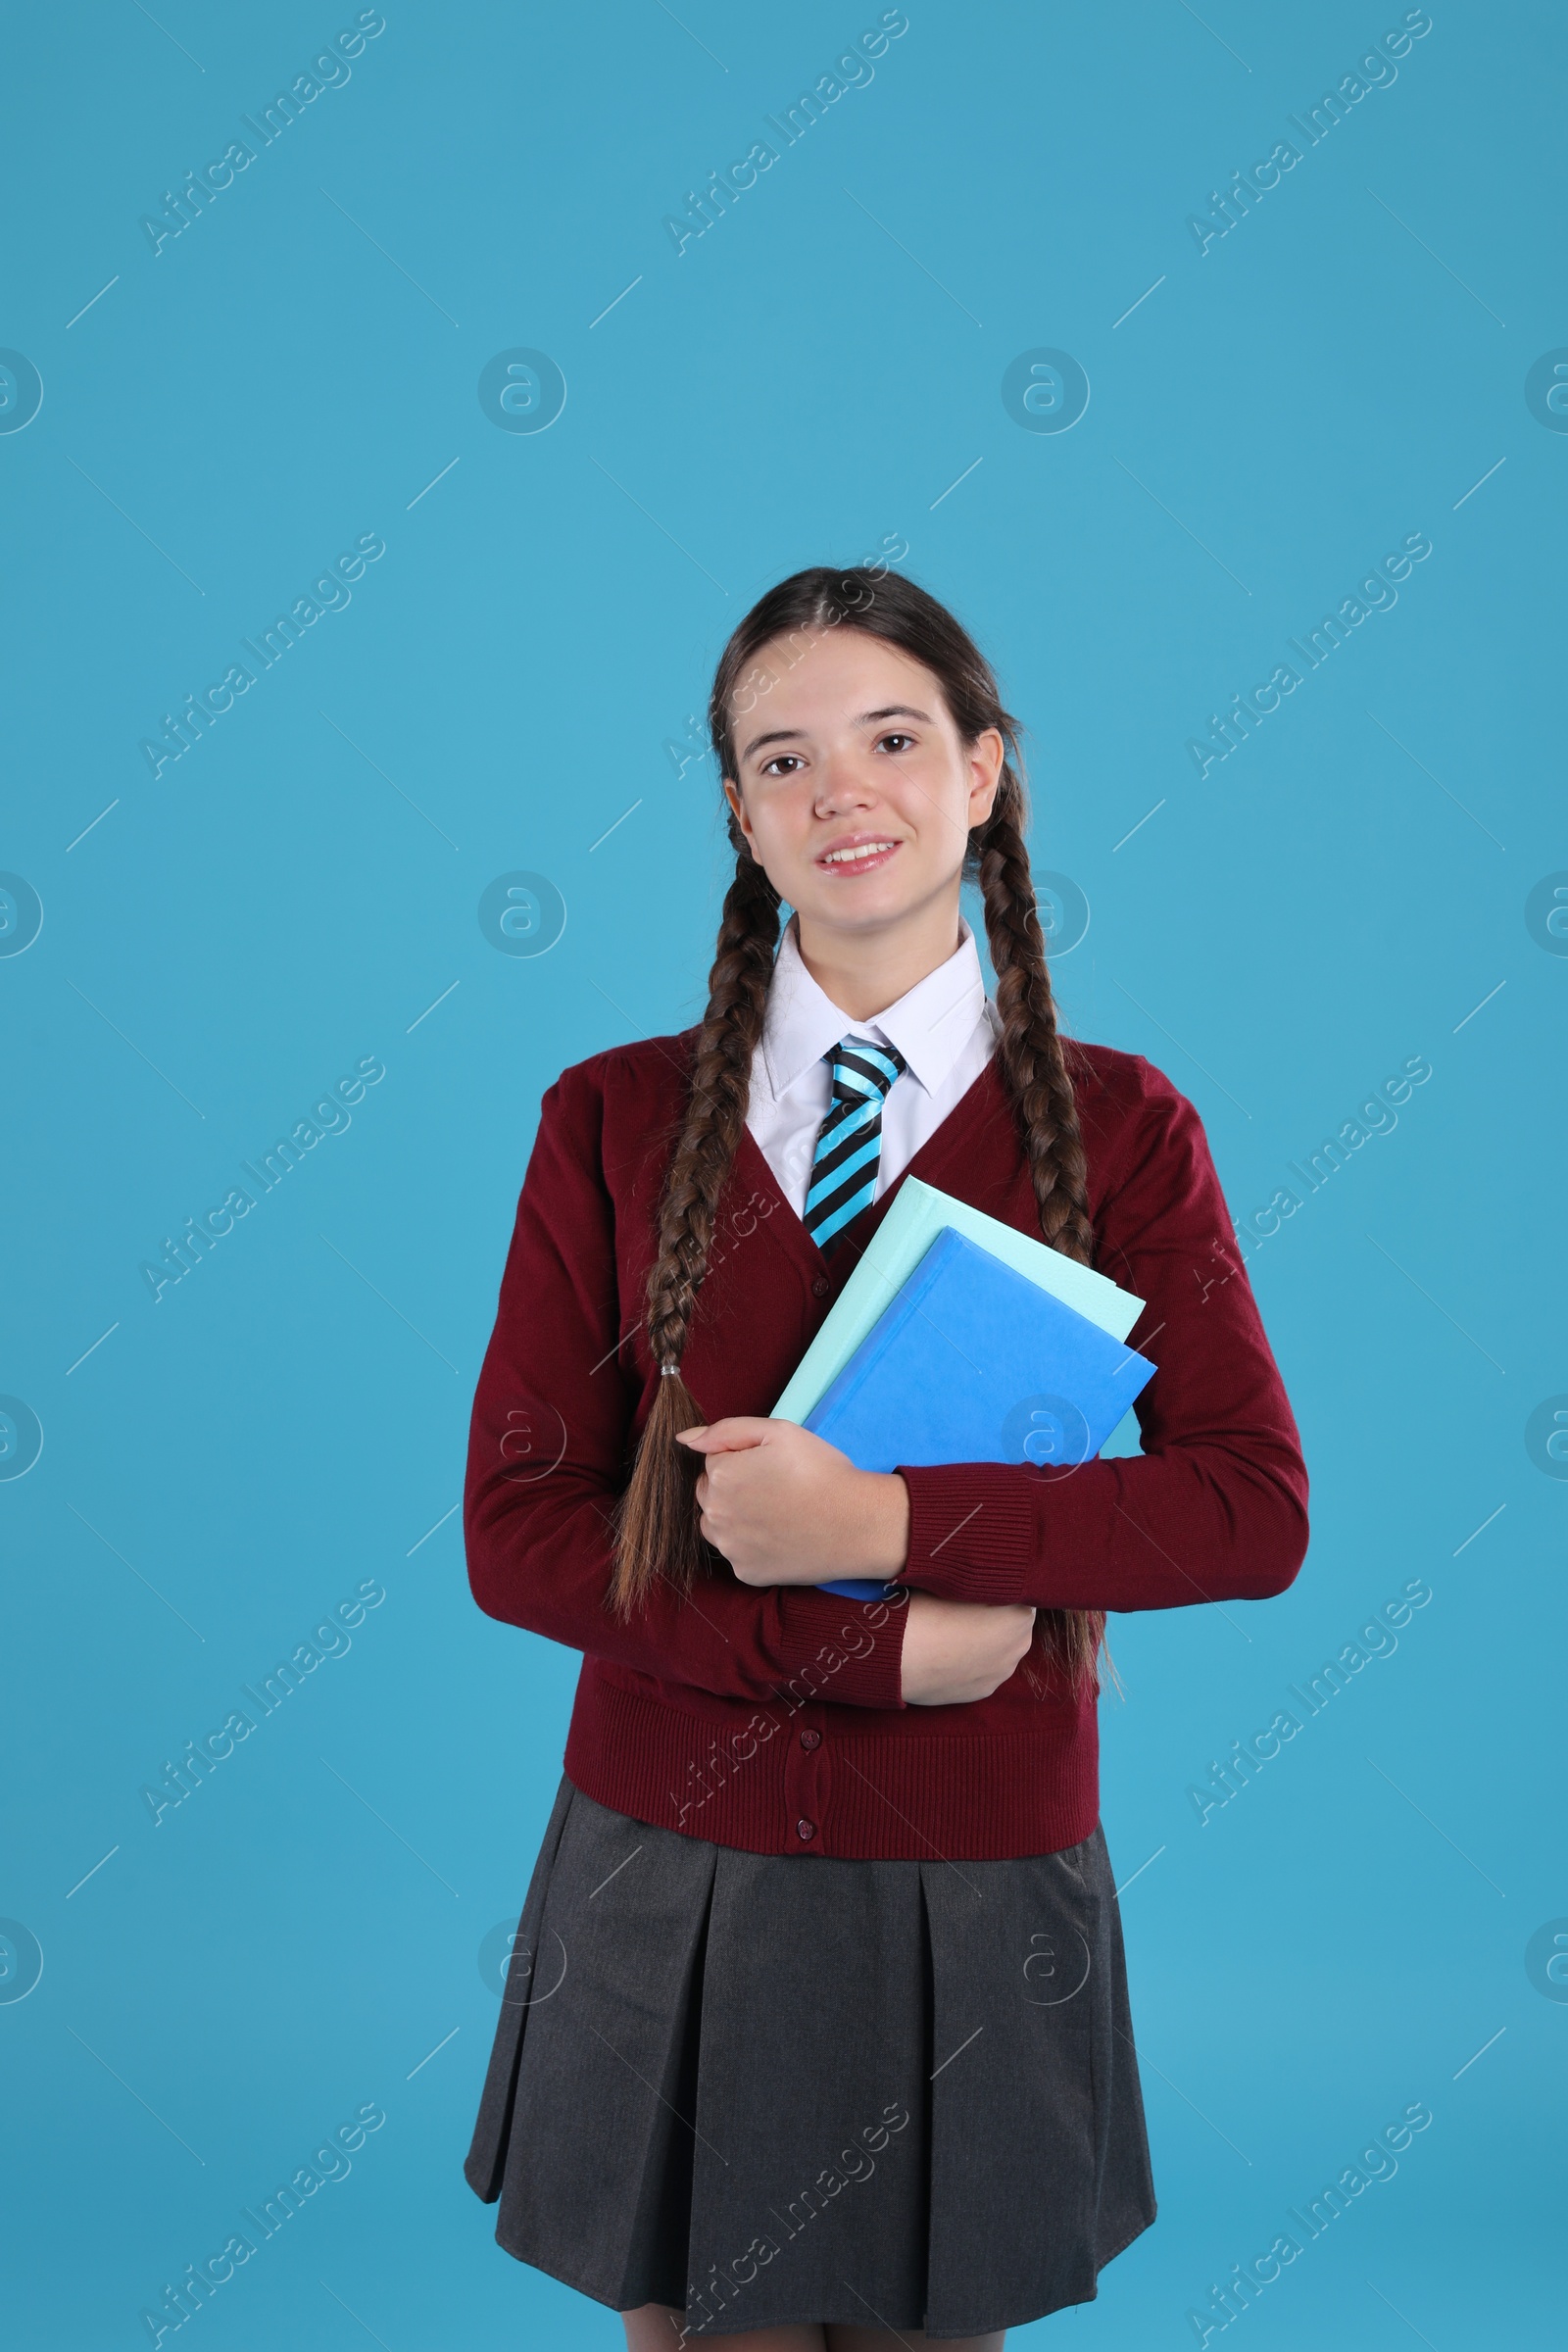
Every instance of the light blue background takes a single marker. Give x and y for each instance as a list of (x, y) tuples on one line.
[(809, 377)]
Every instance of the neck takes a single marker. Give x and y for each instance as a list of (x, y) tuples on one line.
[(864, 972)]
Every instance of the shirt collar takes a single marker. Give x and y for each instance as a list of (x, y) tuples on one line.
[(930, 1025)]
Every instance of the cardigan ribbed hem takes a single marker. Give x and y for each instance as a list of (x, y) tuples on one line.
[(869, 1793), (972, 1533)]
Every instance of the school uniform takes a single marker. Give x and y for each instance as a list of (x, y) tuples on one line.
[(817, 2006)]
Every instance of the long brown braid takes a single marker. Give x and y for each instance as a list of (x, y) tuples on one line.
[(657, 1531)]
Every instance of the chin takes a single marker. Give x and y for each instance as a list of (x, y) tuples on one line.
[(854, 905)]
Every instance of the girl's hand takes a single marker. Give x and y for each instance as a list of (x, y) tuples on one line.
[(958, 1650), (785, 1507)]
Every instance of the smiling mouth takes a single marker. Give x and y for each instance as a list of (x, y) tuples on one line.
[(857, 856)]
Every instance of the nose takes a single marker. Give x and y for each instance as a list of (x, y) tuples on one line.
[(844, 782)]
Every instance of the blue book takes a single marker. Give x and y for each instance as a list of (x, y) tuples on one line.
[(971, 1362)]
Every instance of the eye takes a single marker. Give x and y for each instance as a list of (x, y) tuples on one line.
[(769, 766), (903, 741)]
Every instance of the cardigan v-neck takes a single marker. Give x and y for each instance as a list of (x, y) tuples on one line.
[(945, 1029), (773, 1719), (929, 1161)]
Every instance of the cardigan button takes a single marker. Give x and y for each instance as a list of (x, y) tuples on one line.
[(811, 1738), (819, 1287), (805, 1828)]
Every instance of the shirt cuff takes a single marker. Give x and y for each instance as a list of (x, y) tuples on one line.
[(849, 1651), (971, 1530)]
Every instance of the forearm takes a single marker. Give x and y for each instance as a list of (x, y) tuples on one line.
[(544, 1563), (1152, 1532)]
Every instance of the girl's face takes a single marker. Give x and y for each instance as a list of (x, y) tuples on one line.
[(853, 789)]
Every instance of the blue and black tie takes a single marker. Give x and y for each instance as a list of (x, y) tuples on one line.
[(849, 1144)]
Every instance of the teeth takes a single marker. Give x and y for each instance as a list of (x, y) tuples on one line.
[(867, 849)]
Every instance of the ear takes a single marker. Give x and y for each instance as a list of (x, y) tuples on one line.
[(985, 758), (732, 794)]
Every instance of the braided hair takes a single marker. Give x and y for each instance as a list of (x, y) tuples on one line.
[(657, 1529)]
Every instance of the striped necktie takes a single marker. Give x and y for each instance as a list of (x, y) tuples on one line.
[(849, 1144)]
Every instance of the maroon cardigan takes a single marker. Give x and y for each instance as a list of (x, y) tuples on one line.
[(771, 1719)]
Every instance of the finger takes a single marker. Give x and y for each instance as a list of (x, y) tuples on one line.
[(733, 1436)]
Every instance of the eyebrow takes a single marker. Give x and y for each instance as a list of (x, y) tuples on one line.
[(867, 718)]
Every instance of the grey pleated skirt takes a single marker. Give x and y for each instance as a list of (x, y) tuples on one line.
[(763, 2088)]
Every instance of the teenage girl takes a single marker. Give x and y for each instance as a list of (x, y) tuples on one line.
[(815, 2033)]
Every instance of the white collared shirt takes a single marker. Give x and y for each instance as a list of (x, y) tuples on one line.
[(946, 1028)]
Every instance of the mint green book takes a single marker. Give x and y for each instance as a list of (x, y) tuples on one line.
[(901, 1241)]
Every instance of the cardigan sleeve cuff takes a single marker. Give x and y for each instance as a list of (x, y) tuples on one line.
[(971, 1531), (833, 1648)]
